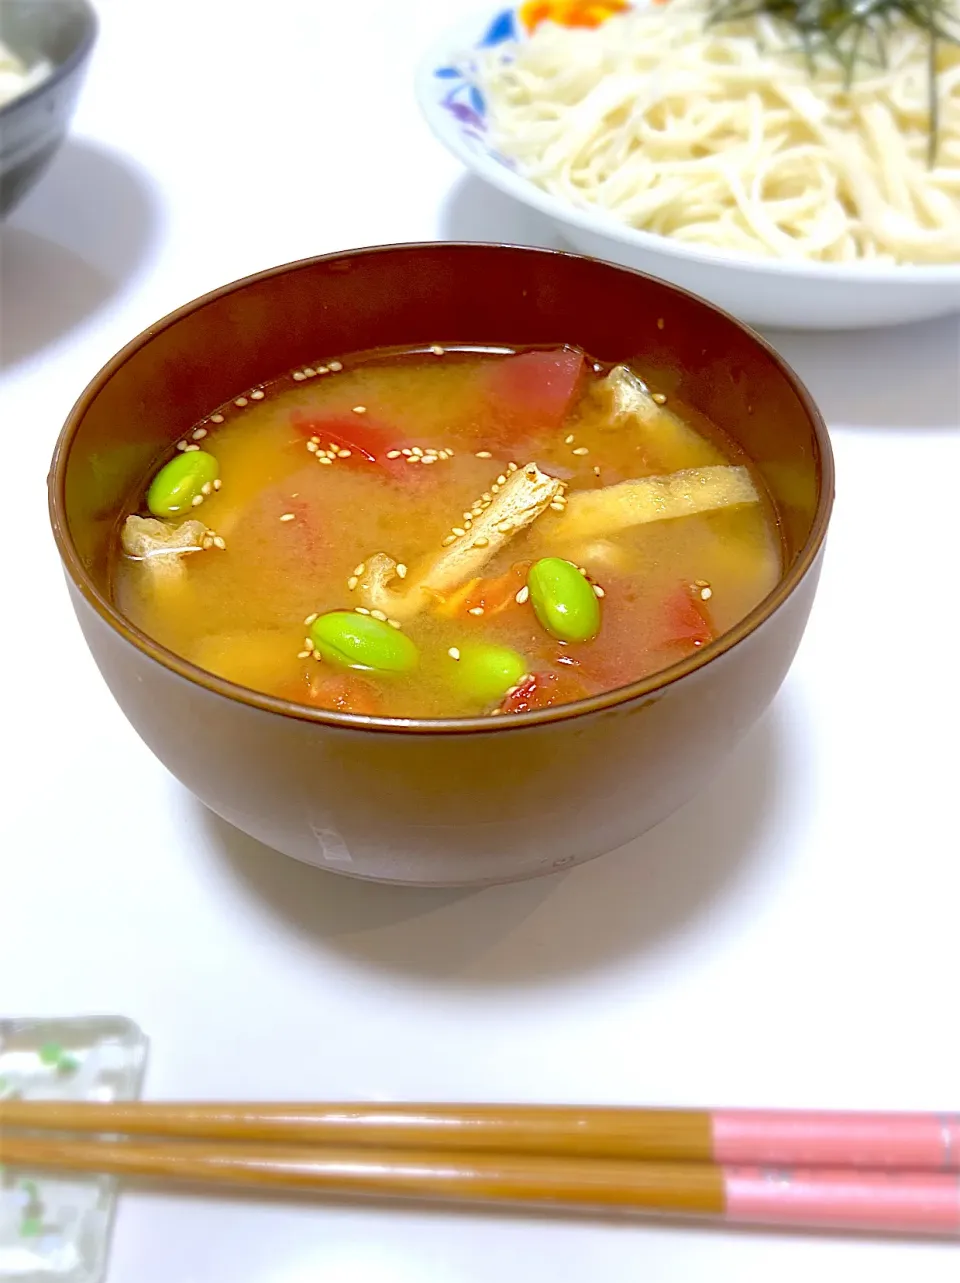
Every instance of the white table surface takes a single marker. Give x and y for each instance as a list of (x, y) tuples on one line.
[(791, 937)]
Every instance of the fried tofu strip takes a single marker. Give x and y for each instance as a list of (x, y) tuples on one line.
[(521, 499), (161, 547), (591, 513)]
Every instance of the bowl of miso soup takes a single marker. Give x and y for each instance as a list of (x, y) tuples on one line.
[(443, 564)]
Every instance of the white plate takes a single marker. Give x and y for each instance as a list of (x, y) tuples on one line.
[(813, 296)]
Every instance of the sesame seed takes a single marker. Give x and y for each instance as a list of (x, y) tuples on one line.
[(599, 591), (289, 516), (206, 542), (504, 527), (187, 449), (241, 401), (322, 458), (394, 623), (458, 531), (206, 488), (481, 542), (309, 371), (401, 570), (393, 454), (557, 507), (352, 582), (417, 451), (344, 454), (359, 409), (436, 349), (568, 440), (453, 652), (359, 569), (596, 470), (303, 654), (406, 452), (216, 418), (484, 454), (360, 610), (217, 484), (298, 376), (336, 366), (256, 395), (181, 445), (706, 594), (581, 449), (475, 610), (445, 543), (312, 447), (308, 643), (199, 434), (511, 467), (413, 458), (311, 619), (379, 614), (197, 500), (501, 480), (495, 489), (522, 596), (219, 542), (315, 440), (659, 398), (429, 458)]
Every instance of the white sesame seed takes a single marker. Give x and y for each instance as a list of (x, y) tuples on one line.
[(206, 542), (557, 507), (436, 349), (299, 376), (216, 418), (361, 610), (596, 470), (336, 366), (311, 619), (475, 610), (322, 369), (303, 654), (257, 395), (379, 614), (413, 458), (429, 458), (394, 454), (481, 542), (458, 531), (511, 467), (522, 595), (352, 582), (484, 454), (344, 454), (309, 371), (181, 445), (445, 543), (394, 623), (359, 409), (599, 591), (322, 458), (568, 440), (501, 480), (453, 652), (308, 643), (581, 449), (241, 401), (217, 484), (312, 447), (401, 570), (359, 569), (206, 488), (504, 527), (706, 594), (199, 434), (188, 449), (219, 542), (289, 516), (315, 440), (197, 500), (417, 451), (659, 398)]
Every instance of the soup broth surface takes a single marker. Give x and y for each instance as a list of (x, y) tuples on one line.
[(403, 453)]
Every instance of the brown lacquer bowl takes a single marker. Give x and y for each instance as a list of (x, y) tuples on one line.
[(459, 801)]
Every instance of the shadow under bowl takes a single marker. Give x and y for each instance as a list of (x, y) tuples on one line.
[(32, 126), (458, 801)]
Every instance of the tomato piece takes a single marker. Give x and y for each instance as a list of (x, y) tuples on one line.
[(341, 692), (684, 622), (530, 393), (367, 441), (543, 690), (492, 596)]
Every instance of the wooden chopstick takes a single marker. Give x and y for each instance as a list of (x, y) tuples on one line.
[(921, 1203), (888, 1141)]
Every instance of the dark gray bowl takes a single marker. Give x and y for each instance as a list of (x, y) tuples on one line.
[(33, 126)]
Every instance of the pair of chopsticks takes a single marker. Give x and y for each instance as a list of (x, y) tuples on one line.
[(851, 1171)]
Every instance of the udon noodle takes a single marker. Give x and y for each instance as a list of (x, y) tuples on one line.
[(724, 136)]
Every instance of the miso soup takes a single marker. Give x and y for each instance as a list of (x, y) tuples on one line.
[(448, 532)]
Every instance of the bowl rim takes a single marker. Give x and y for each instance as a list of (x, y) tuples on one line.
[(649, 687), (61, 70), (461, 37)]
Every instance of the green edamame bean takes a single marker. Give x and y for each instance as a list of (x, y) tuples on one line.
[(181, 481), (360, 641), (486, 672), (563, 600)]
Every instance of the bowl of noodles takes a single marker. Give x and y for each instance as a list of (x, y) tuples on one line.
[(796, 162)]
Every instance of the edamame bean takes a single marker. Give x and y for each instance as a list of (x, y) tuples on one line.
[(563, 600), (181, 481), (360, 641), (486, 672)]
